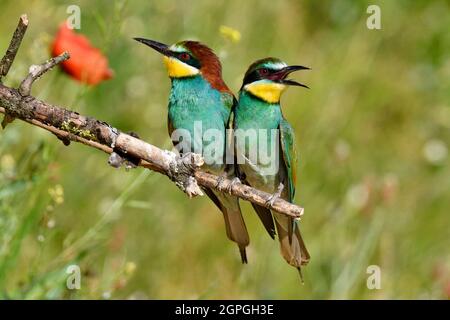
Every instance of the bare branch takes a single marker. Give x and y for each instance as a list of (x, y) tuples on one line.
[(36, 71), (14, 45)]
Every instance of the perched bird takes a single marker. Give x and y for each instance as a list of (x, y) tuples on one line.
[(261, 130), (200, 99)]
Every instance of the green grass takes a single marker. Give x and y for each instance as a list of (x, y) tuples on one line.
[(372, 190)]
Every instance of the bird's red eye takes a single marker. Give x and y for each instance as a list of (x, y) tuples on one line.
[(263, 71), (184, 56)]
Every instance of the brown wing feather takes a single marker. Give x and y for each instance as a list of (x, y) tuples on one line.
[(234, 222)]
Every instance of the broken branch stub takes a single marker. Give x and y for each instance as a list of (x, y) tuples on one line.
[(16, 40)]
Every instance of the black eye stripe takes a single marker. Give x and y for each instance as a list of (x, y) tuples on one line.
[(256, 75), (187, 58)]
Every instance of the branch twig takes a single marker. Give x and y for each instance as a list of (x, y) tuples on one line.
[(37, 71), (14, 45), (70, 126)]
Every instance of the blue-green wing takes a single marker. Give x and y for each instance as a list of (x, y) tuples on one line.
[(295, 250), (287, 142), (228, 102)]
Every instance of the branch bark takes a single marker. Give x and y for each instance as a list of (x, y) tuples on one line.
[(14, 45), (69, 126)]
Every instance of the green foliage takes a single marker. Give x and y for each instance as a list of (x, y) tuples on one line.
[(373, 135)]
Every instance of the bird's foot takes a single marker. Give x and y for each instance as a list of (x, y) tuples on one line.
[(233, 182), (275, 196), (221, 185)]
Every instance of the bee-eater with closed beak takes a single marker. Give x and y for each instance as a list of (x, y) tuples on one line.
[(259, 110), (199, 96)]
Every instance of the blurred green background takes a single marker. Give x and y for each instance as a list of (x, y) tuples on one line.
[(373, 135)]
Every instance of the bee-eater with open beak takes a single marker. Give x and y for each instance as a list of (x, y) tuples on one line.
[(259, 110), (199, 96)]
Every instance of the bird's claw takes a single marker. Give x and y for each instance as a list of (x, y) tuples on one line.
[(270, 202), (220, 183), (232, 183), (224, 186)]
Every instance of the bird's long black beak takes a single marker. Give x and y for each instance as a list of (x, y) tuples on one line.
[(158, 46), (283, 73)]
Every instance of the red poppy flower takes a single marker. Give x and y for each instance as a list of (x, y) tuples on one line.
[(86, 64)]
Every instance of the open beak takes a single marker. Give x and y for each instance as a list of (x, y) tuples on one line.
[(158, 46), (281, 76)]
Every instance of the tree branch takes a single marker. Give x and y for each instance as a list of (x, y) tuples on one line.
[(14, 45), (37, 71), (70, 126)]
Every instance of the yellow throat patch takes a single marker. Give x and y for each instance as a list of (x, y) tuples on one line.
[(178, 69), (267, 91)]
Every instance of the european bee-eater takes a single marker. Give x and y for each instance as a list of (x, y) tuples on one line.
[(200, 97), (260, 112)]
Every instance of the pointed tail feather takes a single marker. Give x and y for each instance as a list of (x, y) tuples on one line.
[(236, 229), (294, 252), (265, 216), (243, 254), (234, 221)]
